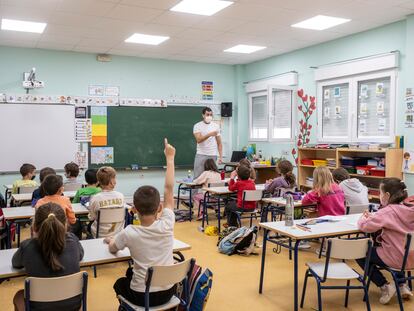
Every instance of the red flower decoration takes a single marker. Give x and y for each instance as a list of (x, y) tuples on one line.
[(310, 112), (312, 99), (293, 151), (299, 143), (305, 114), (310, 126), (296, 160), (307, 140), (305, 98), (300, 108), (300, 92), (308, 133)]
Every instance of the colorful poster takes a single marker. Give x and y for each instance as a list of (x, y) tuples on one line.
[(99, 126), (96, 90), (83, 130), (409, 111), (207, 90), (81, 159), (102, 155)]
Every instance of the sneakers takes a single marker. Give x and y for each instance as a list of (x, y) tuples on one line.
[(304, 245), (405, 292), (387, 292)]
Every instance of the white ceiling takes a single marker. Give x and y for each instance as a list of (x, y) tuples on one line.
[(101, 26)]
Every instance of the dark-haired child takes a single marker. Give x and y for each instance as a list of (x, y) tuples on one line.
[(39, 193), (28, 172), (91, 189), (244, 182), (151, 243), (71, 173), (286, 181), (355, 192), (247, 163), (52, 252), (394, 220)]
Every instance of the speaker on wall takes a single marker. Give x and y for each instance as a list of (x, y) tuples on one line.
[(226, 109)]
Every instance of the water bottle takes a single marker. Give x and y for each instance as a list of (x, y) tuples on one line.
[(223, 174), (289, 210), (189, 176)]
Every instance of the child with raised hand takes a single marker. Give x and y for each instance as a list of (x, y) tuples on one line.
[(107, 198), (287, 180), (28, 172), (52, 252), (211, 174), (394, 220), (355, 192), (91, 189), (326, 194), (151, 243)]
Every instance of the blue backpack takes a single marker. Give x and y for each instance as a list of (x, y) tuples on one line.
[(201, 291), (241, 241)]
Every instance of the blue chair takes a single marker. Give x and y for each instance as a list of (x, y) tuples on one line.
[(342, 250), (56, 289), (164, 276)]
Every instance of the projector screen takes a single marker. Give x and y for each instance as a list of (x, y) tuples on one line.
[(40, 134)]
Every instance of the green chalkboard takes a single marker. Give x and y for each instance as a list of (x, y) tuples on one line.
[(137, 135)]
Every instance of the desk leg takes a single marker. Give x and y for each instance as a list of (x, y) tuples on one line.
[(295, 275), (265, 234), (218, 214), (178, 196), (190, 204), (9, 237)]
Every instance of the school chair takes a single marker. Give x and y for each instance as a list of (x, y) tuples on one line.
[(357, 209), (209, 201), (409, 247), (323, 271), (72, 187), (249, 196), (164, 276), (26, 189), (56, 289), (109, 216)]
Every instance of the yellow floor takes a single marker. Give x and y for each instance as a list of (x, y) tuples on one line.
[(236, 280)]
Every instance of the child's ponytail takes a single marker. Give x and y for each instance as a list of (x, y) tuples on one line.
[(396, 188), (50, 226)]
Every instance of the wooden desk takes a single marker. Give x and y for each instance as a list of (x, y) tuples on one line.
[(347, 225), (263, 172), (96, 253), (27, 212)]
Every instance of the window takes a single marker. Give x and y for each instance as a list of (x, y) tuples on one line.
[(271, 114), (258, 116), (360, 108)]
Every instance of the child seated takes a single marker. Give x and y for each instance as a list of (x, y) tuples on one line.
[(244, 182), (52, 252), (210, 175), (90, 190), (71, 173), (52, 186), (394, 220), (355, 192), (151, 243), (326, 194), (28, 172), (39, 193), (285, 182), (247, 163), (108, 198)]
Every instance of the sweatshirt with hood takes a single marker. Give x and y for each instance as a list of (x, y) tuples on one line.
[(394, 221), (355, 192)]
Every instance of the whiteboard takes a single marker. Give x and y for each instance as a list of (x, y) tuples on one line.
[(40, 134)]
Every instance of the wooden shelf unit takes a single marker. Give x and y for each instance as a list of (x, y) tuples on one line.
[(393, 163)]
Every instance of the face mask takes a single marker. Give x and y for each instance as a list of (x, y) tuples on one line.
[(208, 119), (33, 177)]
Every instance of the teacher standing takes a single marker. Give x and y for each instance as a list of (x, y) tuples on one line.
[(207, 135)]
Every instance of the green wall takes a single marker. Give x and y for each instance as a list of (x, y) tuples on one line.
[(71, 73)]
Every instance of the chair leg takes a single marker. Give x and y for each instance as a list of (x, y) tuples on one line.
[(319, 297), (410, 281), (251, 220), (305, 283), (366, 297), (397, 287), (347, 293), (321, 249), (94, 272)]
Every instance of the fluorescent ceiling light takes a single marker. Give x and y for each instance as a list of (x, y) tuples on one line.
[(201, 7), (245, 49), (12, 24), (321, 22), (146, 39)]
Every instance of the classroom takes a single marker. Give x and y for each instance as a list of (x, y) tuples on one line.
[(206, 155)]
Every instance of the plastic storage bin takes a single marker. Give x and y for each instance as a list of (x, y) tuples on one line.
[(307, 161), (364, 169), (320, 162), (377, 172)]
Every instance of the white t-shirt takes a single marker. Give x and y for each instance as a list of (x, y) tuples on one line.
[(209, 146), (149, 246), (105, 199)]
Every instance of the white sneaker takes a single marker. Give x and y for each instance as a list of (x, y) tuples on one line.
[(387, 292), (405, 292), (304, 245)]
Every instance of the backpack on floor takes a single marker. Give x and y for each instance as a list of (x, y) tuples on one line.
[(225, 232), (241, 241), (201, 291)]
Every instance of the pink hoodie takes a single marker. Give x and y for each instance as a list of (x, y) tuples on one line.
[(395, 221), (332, 203)]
